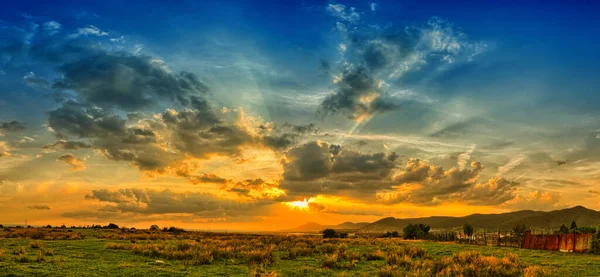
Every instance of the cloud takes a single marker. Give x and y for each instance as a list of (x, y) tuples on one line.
[(373, 6), (342, 13), (33, 80), (4, 150), (280, 138), (39, 207), (67, 145), (146, 201), (376, 59), (254, 189), (464, 157), (535, 200), (358, 95), (514, 162), (75, 163), (427, 184), (127, 81), (12, 126), (322, 168), (52, 27), (89, 30)]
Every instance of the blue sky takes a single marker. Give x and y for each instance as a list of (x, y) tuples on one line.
[(499, 98)]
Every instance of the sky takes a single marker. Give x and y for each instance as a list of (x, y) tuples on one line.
[(265, 115)]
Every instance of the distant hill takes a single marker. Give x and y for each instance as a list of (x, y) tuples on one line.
[(533, 219), (313, 227)]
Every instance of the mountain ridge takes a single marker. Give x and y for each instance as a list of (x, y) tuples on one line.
[(541, 220)]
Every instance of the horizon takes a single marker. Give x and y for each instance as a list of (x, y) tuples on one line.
[(261, 117)]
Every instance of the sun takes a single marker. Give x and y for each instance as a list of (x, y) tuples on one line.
[(301, 205)]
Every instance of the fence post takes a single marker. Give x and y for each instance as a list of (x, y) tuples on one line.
[(484, 239), (498, 240)]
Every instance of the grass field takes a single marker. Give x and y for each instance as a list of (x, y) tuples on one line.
[(143, 253)]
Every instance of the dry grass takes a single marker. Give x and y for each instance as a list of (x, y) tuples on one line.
[(41, 234), (259, 251), (260, 272), (466, 263)]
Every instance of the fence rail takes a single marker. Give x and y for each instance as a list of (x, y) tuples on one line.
[(563, 242)]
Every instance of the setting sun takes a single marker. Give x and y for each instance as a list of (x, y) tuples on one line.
[(301, 205)]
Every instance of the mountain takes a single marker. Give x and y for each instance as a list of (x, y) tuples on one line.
[(504, 221), (313, 227)]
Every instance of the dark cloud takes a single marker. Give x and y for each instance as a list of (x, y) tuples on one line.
[(39, 207), (85, 121), (359, 94), (67, 145), (280, 138), (157, 144), (253, 188), (75, 163), (127, 81), (12, 126), (146, 201), (320, 168), (427, 184)]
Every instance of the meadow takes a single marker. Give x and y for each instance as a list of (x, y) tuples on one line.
[(125, 252)]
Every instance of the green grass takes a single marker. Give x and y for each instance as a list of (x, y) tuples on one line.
[(90, 257)]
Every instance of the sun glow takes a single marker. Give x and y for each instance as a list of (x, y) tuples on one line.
[(301, 205)]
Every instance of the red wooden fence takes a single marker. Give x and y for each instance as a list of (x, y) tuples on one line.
[(563, 242)]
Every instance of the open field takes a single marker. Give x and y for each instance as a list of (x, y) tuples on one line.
[(79, 252)]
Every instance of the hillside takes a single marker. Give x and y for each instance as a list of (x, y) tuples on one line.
[(313, 227), (533, 219)]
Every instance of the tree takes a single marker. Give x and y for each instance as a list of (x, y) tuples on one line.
[(587, 230), (563, 229), (520, 229), (416, 231), (154, 228), (112, 226), (329, 234), (468, 229), (573, 226)]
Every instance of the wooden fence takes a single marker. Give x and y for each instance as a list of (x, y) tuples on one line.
[(563, 242)]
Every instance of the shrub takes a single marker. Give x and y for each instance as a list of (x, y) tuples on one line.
[(375, 255), (416, 231), (35, 245), (389, 271), (261, 257), (329, 233), (330, 260), (202, 258)]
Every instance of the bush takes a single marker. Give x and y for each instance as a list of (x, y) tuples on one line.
[(375, 255), (329, 234), (416, 231), (468, 229), (111, 226)]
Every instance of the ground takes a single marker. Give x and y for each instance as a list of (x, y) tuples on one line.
[(126, 254)]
